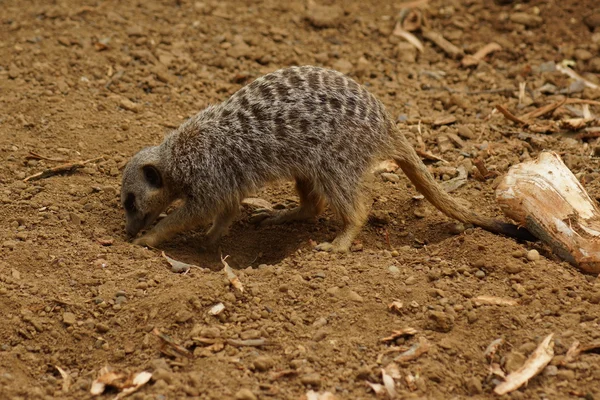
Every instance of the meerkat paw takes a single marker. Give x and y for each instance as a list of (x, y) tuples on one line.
[(331, 247), (260, 215), (146, 241)]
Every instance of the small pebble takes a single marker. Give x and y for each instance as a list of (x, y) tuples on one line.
[(480, 274), (245, 394), (263, 363), (533, 255), (69, 318), (565, 374), (313, 379), (394, 270), (390, 177)]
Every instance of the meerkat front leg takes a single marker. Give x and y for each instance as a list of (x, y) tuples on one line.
[(180, 220)]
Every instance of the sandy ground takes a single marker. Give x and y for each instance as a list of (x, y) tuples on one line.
[(80, 80)]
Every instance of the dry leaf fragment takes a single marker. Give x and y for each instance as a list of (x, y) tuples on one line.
[(393, 370), (495, 369), (470, 60), (168, 341), (411, 382), (139, 380), (216, 309), (494, 301), (538, 360), (389, 384), (572, 353), (415, 351), (437, 38), (312, 395), (446, 120), (378, 388), (409, 37), (399, 333), (233, 279), (396, 305), (178, 266), (574, 75), (575, 124), (510, 116), (493, 347), (66, 378)]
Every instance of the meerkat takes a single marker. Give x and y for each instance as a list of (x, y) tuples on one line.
[(309, 124)]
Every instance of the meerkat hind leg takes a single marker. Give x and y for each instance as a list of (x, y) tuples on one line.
[(312, 204), (354, 216), (221, 224)]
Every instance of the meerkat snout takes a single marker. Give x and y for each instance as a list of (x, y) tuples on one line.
[(143, 192)]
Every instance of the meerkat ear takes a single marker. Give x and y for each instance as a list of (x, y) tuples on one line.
[(152, 176)]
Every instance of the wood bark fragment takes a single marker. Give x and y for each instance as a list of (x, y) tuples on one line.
[(471, 60), (442, 43), (538, 360), (545, 197), (510, 116), (59, 169)]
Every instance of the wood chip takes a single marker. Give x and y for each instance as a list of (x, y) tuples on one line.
[(396, 306), (493, 347), (389, 384), (378, 388), (547, 109), (399, 333), (545, 197), (447, 120), (574, 75), (167, 341), (66, 379), (216, 309), (494, 301), (455, 183), (233, 279), (472, 60), (409, 37), (572, 353), (415, 351), (126, 384), (437, 38), (538, 360), (510, 116), (430, 156), (312, 395), (178, 266)]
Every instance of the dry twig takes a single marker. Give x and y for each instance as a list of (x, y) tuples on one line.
[(59, 169)]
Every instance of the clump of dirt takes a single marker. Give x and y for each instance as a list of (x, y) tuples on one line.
[(80, 80)]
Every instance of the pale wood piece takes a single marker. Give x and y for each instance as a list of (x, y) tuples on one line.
[(544, 196)]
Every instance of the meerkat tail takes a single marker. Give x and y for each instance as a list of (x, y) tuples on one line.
[(407, 158)]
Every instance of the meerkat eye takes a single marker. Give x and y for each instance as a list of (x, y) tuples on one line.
[(152, 176), (130, 203)]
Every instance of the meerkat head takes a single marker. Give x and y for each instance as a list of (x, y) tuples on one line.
[(144, 193)]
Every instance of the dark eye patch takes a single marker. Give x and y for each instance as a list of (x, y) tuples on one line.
[(130, 203)]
